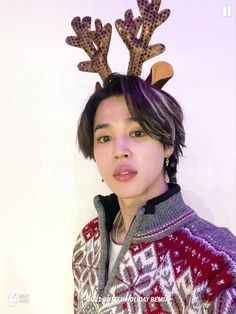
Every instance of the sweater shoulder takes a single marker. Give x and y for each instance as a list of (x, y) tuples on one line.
[(220, 238), (89, 232), (91, 229)]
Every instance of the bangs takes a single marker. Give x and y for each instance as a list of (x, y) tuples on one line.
[(150, 108)]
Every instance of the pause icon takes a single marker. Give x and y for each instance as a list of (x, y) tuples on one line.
[(227, 10)]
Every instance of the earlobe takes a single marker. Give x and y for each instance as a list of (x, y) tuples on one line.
[(169, 151)]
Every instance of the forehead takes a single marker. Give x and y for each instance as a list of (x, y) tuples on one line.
[(113, 108)]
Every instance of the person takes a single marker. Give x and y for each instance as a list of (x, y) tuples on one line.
[(146, 251)]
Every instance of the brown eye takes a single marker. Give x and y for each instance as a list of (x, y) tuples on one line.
[(104, 139), (138, 133)]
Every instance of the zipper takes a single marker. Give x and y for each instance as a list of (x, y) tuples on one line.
[(133, 229)]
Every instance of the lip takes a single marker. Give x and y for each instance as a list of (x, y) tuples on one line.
[(124, 173)]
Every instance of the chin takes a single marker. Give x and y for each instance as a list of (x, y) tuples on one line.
[(127, 193)]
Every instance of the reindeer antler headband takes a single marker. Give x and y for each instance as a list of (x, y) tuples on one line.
[(96, 43)]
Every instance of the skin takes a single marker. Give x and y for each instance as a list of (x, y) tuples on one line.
[(119, 140)]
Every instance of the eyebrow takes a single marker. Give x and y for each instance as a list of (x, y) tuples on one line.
[(107, 125)]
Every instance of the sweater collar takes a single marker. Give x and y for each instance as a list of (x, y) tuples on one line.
[(153, 202), (108, 206)]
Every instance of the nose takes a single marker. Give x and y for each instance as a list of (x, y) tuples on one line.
[(121, 149)]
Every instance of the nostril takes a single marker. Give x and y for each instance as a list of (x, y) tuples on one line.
[(118, 156)]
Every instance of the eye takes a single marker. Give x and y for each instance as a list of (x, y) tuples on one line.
[(104, 139), (138, 133)]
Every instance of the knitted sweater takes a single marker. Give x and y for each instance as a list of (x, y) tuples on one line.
[(172, 261)]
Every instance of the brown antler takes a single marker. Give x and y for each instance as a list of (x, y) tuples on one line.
[(95, 43), (128, 29)]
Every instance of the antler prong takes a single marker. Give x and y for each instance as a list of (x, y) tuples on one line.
[(95, 44), (139, 48)]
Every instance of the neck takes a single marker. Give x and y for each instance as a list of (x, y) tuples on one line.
[(129, 207)]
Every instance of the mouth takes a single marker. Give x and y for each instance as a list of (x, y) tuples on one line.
[(124, 175)]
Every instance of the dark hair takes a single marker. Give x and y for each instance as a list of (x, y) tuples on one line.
[(157, 112)]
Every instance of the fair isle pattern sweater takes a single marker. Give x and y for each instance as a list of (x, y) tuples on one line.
[(172, 261)]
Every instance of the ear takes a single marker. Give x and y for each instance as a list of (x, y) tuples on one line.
[(169, 151), (160, 73), (98, 87)]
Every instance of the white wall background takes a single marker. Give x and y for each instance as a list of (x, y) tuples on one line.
[(46, 187)]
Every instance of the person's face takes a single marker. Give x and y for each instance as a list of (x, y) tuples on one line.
[(129, 160)]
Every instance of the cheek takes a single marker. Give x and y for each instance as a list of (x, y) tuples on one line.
[(151, 158), (96, 152), (153, 151), (102, 150), (100, 159)]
